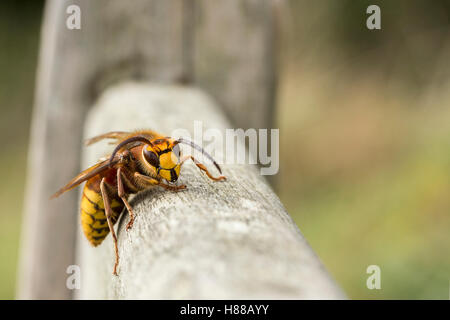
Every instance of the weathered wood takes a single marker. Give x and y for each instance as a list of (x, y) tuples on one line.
[(234, 58), (116, 41), (166, 41), (216, 240)]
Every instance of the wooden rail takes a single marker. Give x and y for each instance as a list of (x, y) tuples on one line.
[(204, 60), (214, 240)]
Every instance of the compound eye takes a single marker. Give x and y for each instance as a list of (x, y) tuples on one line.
[(176, 151), (151, 158)]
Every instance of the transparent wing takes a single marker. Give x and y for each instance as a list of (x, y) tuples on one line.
[(85, 175)]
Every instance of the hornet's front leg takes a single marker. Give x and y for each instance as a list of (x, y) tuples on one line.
[(203, 168), (108, 213), (121, 193), (149, 181)]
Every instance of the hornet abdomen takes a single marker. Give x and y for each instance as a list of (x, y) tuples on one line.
[(93, 218)]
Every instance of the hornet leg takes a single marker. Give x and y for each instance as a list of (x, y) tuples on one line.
[(108, 212), (149, 181), (123, 196), (203, 168)]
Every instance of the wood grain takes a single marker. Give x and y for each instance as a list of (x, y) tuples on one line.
[(215, 240), (116, 41), (227, 49)]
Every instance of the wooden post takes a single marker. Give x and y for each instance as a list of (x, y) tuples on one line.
[(226, 49), (116, 41)]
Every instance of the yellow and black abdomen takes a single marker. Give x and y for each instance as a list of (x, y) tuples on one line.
[(93, 218)]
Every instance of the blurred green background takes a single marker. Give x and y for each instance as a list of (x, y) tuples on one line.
[(364, 120), (20, 23)]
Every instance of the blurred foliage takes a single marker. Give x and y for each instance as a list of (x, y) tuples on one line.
[(364, 120), (19, 39), (365, 138)]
